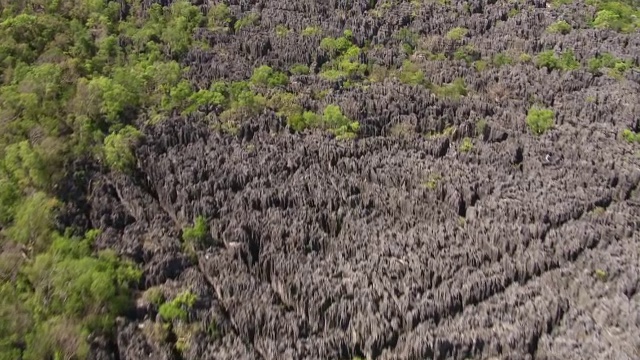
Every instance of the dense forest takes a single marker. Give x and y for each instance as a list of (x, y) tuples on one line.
[(188, 180)]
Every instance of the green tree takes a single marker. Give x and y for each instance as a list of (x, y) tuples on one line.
[(115, 98), (33, 221), (118, 148)]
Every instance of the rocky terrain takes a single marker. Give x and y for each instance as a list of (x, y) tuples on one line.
[(397, 245), (446, 229)]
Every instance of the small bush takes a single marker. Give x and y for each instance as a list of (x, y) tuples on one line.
[(559, 27), (408, 39), (196, 233), (616, 66), (480, 65), (540, 120), (411, 74), (568, 61), (456, 33), (303, 120), (454, 90), (266, 76), (154, 295), (466, 145), (178, 308), (630, 136), (432, 181), (345, 56), (547, 59), (219, 16), (377, 73), (285, 103), (524, 58), (501, 59), (249, 20), (551, 61), (311, 31), (341, 126), (281, 30), (299, 69), (467, 53)]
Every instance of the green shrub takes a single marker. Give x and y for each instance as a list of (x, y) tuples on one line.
[(299, 69), (311, 31), (219, 15), (281, 30), (468, 53), (266, 76), (454, 90), (524, 58), (411, 74), (456, 33), (501, 59), (616, 66), (178, 308), (154, 295), (480, 65), (551, 61), (540, 120), (196, 233), (203, 97), (285, 103), (336, 46), (466, 145), (432, 181), (568, 61), (241, 102), (251, 19), (345, 56), (338, 124), (303, 120), (547, 59), (559, 27), (408, 39), (630, 136)]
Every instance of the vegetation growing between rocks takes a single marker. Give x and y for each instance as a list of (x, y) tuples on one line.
[(540, 120), (345, 57), (560, 27), (80, 79), (178, 308), (630, 136)]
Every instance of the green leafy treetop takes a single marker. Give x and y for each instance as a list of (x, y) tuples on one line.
[(118, 148)]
